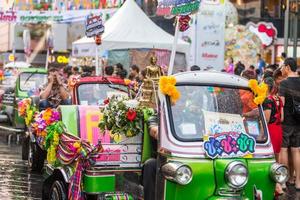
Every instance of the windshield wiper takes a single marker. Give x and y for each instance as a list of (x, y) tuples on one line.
[(116, 88), (30, 76)]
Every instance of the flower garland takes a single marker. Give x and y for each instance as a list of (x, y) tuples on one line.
[(167, 87), (121, 116), (26, 110), (259, 90), (52, 140)]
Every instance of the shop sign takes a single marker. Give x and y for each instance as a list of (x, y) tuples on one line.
[(177, 7), (8, 16), (93, 25), (11, 57), (58, 59)]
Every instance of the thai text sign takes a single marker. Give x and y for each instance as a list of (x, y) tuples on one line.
[(93, 25), (177, 7), (226, 136)]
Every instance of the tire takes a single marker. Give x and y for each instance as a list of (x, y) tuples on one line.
[(25, 147), (58, 191), (36, 157)]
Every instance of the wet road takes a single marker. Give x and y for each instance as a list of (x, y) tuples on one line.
[(16, 180)]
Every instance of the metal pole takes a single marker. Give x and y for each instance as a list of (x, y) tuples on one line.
[(47, 59), (295, 33), (286, 26), (173, 53), (97, 62)]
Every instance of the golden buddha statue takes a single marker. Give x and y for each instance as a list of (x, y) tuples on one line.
[(150, 84)]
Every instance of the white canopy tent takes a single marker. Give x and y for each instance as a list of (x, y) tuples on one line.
[(129, 28)]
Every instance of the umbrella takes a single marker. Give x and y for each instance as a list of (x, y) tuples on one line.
[(17, 65)]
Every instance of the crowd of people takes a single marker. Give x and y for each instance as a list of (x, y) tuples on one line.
[(281, 109)]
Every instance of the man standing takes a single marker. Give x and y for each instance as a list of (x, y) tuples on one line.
[(55, 92), (289, 91), (260, 64)]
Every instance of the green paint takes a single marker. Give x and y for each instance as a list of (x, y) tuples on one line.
[(186, 8), (69, 118), (147, 147), (201, 186), (98, 184), (209, 177), (259, 175)]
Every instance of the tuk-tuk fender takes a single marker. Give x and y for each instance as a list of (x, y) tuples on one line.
[(51, 173)]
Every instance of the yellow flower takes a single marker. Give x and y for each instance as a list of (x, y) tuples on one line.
[(129, 133), (51, 154), (117, 138), (55, 139), (167, 87), (260, 91), (77, 145)]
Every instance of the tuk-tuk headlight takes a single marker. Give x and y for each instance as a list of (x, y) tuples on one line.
[(279, 173), (236, 174), (178, 172)]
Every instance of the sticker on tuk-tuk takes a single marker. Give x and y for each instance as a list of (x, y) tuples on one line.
[(226, 136)]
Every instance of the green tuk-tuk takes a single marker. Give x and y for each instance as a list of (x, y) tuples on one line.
[(14, 88), (212, 144)]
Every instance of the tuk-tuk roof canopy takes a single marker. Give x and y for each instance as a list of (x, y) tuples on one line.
[(211, 78)]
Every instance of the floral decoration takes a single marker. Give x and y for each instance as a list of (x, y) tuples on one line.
[(44, 119), (121, 116), (259, 90), (133, 85), (54, 131), (167, 87), (26, 110)]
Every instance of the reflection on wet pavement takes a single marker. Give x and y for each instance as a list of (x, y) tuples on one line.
[(16, 180)]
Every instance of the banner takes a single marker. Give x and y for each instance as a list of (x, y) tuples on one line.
[(69, 16), (210, 36), (177, 7)]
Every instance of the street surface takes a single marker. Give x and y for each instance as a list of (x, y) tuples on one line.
[(16, 180)]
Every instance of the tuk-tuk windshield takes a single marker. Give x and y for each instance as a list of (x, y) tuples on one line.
[(205, 111), (32, 81), (96, 93)]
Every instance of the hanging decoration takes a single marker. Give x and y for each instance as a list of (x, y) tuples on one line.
[(265, 31), (167, 87), (259, 90), (184, 23), (26, 110)]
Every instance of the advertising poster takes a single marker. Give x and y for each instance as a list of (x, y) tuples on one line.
[(210, 35)]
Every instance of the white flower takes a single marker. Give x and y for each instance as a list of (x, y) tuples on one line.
[(131, 103)]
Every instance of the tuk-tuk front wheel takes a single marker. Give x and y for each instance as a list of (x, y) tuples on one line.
[(25, 147), (58, 191), (36, 157)]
